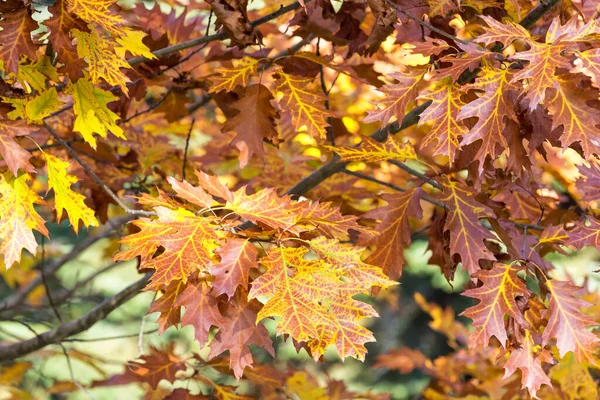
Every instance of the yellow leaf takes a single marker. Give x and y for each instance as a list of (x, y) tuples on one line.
[(102, 60), (229, 78), (18, 217), (305, 105), (371, 150), (33, 76), (35, 109), (132, 41), (97, 12), (65, 198), (91, 111)]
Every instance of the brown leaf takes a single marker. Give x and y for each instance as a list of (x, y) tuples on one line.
[(253, 123)]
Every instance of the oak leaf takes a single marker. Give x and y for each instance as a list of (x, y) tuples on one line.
[(237, 75), (237, 332), (65, 199), (253, 123), (583, 234), (497, 296), (446, 129), (505, 33), (156, 366), (35, 108), (92, 115), (525, 359), (370, 150), (466, 232), (313, 298), (102, 61), (238, 256), (170, 315), (17, 25), (34, 76), (393, 232), (188, 242), (303, 103), (574, 378), (568, 105), (493, 108), (396, 97), (567, 324), (14, 155), (201, 310), (97, 12), (18, 218)]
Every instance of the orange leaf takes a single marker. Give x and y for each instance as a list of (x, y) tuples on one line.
[(567, 324), (238, 256), (501, 286)]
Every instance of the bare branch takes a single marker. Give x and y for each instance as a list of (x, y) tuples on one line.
[(54, 266), (55, 336)]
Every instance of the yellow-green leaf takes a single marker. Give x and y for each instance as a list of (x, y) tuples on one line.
[(91, 111), (64, 197), (35, 109)]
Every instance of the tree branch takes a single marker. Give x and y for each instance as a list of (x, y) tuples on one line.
[(94, 176), (334, 166), (54, 266), (217, 36), (55, 336), (537, 12)]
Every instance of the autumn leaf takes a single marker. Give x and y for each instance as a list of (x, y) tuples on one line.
[(393, 233), (497, 296), (396, 97), (201, 310), (18, 218), (102, 61), (157, 366), (90, 105), (238, 256), (34, 76), (97, 12), (228, 79), (569, 108), (305, 105), (14, 155), (525, 359), (35, 108), (493, 108), (313, 299), (584, 234), (574, 378), (188, 242), (466, 232), (567, 324), (17, 25), (505, 33), (238, 332), (370, 150), (442, 114), (253, 123), (170, 315), (65, 199)]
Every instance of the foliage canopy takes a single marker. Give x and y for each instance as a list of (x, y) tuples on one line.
[(266, 166)]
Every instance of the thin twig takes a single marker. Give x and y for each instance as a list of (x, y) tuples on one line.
[(217, 36), (95, 177), (185, 152), (150, 108), (57, 335), (46, 286), (426, 24), (75, 382), (131, 335), (17, 298)]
